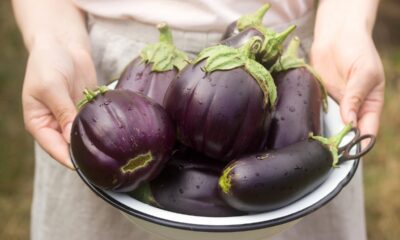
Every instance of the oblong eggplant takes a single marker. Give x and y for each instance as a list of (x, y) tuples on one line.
[(300, 100), (120, 139), (220, 103), (273, 179), (154, 69), (189, 184)]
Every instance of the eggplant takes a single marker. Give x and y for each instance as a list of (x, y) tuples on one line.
[(221, 101), (120, 139), (188, 184), (272, 179), (245, 21), (272, 43), (251, 25), (300, 98), (241, 38), (153, 70)]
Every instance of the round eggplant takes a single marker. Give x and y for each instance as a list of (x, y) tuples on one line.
[(273, 179), (245, 21), (120, 139), (300, 98), (155, 68), (221, 102), (189, 184)]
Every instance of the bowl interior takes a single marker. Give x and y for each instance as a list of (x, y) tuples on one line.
[(338, 178)]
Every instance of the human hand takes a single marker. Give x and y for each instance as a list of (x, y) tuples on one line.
[(56, 74), (352, 71)]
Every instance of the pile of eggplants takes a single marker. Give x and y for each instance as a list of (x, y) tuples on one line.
[(233, 131)]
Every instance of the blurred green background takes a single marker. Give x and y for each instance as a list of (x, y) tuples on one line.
[(382, 166)]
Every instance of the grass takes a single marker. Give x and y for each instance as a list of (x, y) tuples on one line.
[(382, 165)]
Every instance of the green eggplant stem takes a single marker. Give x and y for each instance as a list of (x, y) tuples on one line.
[(252, 19), (293, 48), (165, 33), (333, 142), (89, 95), (163, 55)]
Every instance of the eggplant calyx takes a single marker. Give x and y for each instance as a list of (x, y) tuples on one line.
[(90, 95), (333, 142), (138, 162), (290, 60), (222, 57), (225, 180), (273, 43), (252, 19), (163, 55)]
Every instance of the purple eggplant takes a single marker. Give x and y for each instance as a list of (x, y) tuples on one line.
[(188, 184), (251, 25), (121, 139), (155, 68), (241, 38), (300, 98), (221, 102), (273, 179), (245, 21)]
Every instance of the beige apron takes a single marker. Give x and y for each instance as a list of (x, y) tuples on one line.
[(64, 208)]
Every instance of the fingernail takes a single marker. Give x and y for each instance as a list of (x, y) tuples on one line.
[(352, 118), (70, 165), (67, 132)]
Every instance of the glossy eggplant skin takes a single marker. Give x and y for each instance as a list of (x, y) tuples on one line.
[(273, 179), (139, 77), (298, 110), (237, 40), (121, 139), (189, 184), (221, 114)]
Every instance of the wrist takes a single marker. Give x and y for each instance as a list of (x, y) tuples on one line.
[(336, 16), (45, 39)]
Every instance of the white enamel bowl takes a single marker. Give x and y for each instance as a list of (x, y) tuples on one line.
[(176, 226)]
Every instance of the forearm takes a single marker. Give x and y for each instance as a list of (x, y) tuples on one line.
[(59, 20), (332, 15)]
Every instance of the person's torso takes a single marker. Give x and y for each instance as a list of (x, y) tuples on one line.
[(199, 15)]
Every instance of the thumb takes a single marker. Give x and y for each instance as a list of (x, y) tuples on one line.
[(64, 111), (357, 89)]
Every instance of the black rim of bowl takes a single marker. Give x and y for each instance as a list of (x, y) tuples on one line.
[(220, 228)]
